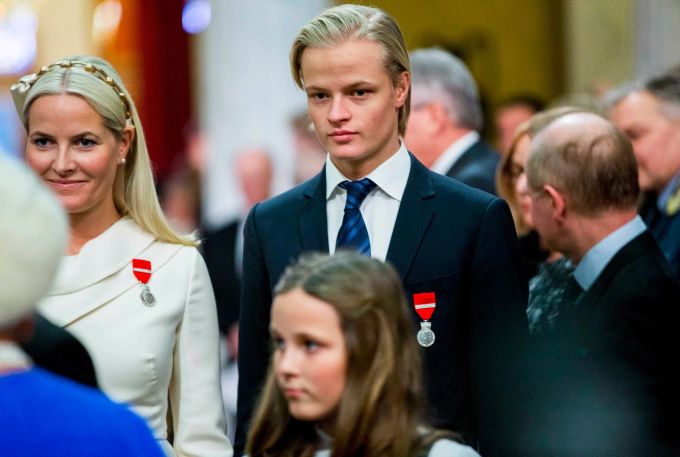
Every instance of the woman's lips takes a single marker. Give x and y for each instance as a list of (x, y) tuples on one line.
[(64, 183), (292, 392)]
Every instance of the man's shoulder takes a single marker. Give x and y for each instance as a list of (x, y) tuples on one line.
[(291, 198), (453, 188), (639, 271)]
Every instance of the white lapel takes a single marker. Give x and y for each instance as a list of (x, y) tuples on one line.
[(102, 271)]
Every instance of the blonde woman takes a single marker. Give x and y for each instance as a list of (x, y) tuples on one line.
[(136, 294)]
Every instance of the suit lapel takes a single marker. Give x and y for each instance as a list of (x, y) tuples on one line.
[(415, 213), (312, 215)]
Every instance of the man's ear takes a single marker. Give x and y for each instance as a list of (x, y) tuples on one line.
[(558, 202), (401, 89)]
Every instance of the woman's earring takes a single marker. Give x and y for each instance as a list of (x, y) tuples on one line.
[(123, 161)]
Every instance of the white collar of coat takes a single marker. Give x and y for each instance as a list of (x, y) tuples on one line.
[(101, 257), (102, 271)]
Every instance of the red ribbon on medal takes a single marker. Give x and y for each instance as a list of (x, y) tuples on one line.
[(142, 270), (424, 303)]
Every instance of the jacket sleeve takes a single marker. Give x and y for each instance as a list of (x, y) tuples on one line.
[(256, 298), (195, 395), (498, 328)]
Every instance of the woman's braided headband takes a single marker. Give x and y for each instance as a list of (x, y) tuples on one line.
[(20, 89)]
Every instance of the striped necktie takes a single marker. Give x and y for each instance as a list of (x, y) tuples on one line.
[(353, 233)]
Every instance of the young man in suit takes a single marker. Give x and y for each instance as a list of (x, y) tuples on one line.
[(446, 117), (454, 247), (611, 377)]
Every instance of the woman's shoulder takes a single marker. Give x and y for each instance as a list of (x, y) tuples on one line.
[(445, 447)]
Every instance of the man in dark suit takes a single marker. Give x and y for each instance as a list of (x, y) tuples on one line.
[(608, 383), (649, 114), (446, 117), (222, 248), (452, 245)]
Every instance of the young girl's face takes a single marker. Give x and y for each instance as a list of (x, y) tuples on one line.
[(310, 358)]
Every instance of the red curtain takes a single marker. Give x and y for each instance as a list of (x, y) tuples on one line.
[(164, 101)]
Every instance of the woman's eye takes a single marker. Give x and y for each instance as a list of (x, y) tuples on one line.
[(279, 344), (85, 143), (516, 170), (311, 345), (41, 142)]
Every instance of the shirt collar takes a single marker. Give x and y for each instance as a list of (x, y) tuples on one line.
[(667, 192), (597, 258), (390, 176), (451, 154)]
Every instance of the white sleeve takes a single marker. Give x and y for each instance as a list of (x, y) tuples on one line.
[(449, 448), (195, 396)]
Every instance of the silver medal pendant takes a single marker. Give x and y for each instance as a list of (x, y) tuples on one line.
[(147, 297), (425, 335)]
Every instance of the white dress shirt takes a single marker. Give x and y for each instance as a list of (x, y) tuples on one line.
[(451, 154), (380, 207)]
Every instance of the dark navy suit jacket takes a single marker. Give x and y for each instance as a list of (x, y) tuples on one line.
[(608, 379), (665, 230), (477, 167), (449, 239)]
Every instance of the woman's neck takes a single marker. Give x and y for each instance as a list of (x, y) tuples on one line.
[(85, 227)]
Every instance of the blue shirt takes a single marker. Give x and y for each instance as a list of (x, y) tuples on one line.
[(597, 258), (45, 415)]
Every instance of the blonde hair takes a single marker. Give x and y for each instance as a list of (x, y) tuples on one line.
[(345, 22), (101, 86)]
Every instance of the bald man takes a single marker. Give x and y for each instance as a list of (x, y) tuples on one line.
[(609, 367)]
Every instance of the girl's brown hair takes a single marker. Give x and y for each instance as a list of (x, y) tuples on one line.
[(380, 412)]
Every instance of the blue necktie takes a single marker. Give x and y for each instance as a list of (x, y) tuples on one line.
[(353, 231)]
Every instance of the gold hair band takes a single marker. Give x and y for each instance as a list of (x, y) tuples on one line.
[(20, 89)]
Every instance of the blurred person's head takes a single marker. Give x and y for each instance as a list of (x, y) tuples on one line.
[(85, 140), (444, 106), (649, 115), (353, 64), (309, 154), (254, 170), (344, 360), (180, 196), (33, 233), (583, 181), (511, 179), (511, 114)]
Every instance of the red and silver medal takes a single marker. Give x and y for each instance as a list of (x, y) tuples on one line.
[(425, 304), (142, 271)]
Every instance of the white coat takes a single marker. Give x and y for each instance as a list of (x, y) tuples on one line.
[(150, 357)]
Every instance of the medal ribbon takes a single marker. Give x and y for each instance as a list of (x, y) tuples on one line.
[(142, 270), (424, 303)]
